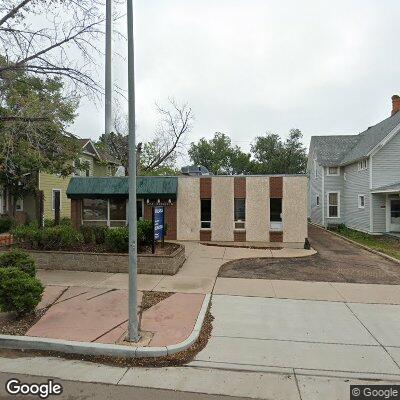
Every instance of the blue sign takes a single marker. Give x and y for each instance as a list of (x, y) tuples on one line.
[(158, 223)]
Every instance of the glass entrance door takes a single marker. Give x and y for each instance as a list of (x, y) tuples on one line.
[(395, 215)]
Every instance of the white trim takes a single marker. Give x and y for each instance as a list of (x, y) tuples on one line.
[(328, 205), (315, 169), (323, 196), (371, 213), (385, 191), (386, 139), (337, 171), (370, 172), (359, 201), (52, 198), (388, 219)]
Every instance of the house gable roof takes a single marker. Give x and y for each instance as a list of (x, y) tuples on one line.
[(343, 150)]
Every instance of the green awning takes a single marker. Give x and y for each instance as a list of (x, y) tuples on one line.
[(152, 187)]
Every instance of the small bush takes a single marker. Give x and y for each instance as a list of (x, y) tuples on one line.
[(48, 238), (5, 224), (94, 234), (19, 292), (64, 221), (117, 240), (145, 232), (18, 259), (59, 237)]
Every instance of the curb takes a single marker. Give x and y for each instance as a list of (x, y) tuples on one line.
[(358, 244), (100, 349)]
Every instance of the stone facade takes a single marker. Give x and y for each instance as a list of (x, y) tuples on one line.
[(109, 262)]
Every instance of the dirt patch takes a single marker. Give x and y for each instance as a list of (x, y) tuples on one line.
[(337, 261), (14, 325), (162, 250), (177, 359), (150, 299)]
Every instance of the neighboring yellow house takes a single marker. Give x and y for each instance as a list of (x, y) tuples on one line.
[(99, 164)]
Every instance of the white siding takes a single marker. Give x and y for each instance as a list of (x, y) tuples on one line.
[(379, 215), (386, 164), (356, 183), (315, 188)]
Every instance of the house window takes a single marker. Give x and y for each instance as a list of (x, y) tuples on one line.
[(333, 171), (317, 200), (333, 205), (363, 165), (361, 201), (206, 213), (56, 196), (240, 213), (275, 212), (95, 211), (19, 205)]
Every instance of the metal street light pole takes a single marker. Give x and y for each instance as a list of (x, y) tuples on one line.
[(108, 69), (133, 332)]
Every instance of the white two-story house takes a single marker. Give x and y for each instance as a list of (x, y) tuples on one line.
[(355, 179)]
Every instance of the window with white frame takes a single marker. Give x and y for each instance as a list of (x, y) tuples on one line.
[(333, 171), (333, 204), (56, 196), (240, 213), (317, 200), (19, 205), (363, 165), (361, 201)]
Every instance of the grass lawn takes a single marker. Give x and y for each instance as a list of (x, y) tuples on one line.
[(384, 244)]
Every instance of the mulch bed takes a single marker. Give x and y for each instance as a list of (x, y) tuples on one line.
[(167, 249), (21, 326)]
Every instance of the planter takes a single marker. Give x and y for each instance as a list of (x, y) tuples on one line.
[(108, 262)]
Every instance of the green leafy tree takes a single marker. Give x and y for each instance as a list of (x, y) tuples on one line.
[(34, 115), (274, 156), (219, 156)]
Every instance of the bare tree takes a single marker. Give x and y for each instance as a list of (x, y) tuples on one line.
[(176, 120), (51, 38)]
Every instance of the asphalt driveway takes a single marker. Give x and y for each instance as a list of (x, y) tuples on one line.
[(336, 261)]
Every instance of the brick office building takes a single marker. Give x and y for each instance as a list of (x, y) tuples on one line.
[(257, 208)]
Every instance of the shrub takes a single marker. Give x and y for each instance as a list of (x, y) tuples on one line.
[(117, 240), (144, 232), (5, 224), (28, 234), (94, 234), (58, 237), (48, 238), (18, 291), (18, 259), (64, 221)]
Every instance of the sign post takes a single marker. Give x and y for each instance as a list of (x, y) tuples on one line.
[(158, 225)]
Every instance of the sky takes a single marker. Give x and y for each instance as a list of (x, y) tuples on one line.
[(251, 66)]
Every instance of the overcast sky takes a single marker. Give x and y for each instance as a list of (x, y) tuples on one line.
[(251, 66)]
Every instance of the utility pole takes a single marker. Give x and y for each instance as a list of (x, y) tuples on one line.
[(108, 123), (133, 330)]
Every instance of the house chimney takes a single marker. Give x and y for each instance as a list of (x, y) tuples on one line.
[(396, 104)]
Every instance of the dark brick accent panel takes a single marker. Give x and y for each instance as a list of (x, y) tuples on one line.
[(76, 213), (240, 188), (239, 236), (205, 188), (276, 237), (205, 236), (275, 187), (170, 219)]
